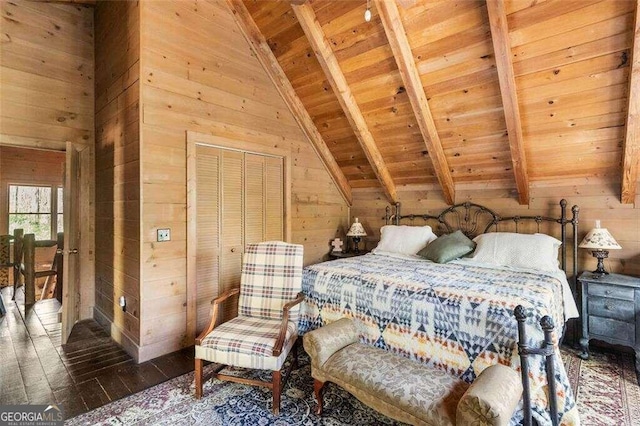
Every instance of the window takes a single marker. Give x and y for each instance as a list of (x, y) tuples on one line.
[(31, 208)]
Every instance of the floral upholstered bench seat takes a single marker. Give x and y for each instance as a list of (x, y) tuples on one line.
[(406, 390)]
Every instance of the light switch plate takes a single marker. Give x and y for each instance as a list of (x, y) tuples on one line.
[(164, 234)]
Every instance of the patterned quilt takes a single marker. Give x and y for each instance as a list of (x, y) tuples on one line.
[(458, 318)]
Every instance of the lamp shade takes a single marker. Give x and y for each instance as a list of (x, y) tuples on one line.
[(356, 230), (599, 239)]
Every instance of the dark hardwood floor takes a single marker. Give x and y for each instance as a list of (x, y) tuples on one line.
[(89, 371)]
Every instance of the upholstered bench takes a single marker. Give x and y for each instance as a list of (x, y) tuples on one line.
[(406, 390)]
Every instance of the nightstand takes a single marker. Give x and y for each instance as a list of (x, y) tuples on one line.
[(344, 254), (610, 311)]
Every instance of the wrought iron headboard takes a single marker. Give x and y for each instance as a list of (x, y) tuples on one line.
[(473, 219)]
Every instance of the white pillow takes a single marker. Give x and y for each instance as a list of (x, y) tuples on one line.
[(531, 251), (404, 239)]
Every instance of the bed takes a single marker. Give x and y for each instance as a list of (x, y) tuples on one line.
[(455, 316)]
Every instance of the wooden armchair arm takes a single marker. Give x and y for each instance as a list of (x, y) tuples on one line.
[(224, 296), (277, 349), (214, 313)]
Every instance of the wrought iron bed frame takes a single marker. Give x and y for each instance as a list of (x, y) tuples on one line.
[(469, 217)]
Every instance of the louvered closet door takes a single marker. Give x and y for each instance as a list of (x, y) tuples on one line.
[(264, 197), (240, 200), (274, 199), (254, 195), (208, 229), (232, 229)]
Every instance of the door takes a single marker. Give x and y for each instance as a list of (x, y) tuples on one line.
[(70, 278), (239, 200), (208, 164)]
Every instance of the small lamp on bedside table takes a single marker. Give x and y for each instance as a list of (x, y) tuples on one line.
[(599, 241), (356, 232)]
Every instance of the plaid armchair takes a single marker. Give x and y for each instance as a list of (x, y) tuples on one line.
[(266, 327)]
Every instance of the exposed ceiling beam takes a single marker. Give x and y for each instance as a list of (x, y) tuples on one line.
[(631, 151), (266, 57), (504, 64), (393, 27), (329, 63)]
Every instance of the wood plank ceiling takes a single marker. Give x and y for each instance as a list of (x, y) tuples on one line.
[(433, 106)]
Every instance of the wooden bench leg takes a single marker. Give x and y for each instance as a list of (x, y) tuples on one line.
[(317, 389), (276, 392), (198, 374)]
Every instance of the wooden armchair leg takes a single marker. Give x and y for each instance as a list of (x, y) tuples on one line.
[(198, 374), (276, 380), (317, 389), (294, 349)]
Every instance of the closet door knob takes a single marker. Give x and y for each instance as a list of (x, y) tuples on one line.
[(233, 250)]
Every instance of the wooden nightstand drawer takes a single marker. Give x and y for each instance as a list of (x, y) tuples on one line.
[(606, 327), (605, 290), (612, 308)]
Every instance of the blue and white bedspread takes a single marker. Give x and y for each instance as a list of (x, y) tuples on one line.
[(454, 317)]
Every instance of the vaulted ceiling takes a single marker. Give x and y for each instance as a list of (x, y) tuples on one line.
[(449, 92)]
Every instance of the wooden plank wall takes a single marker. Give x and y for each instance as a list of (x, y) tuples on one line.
[(46, 71), (598, 198), (47, 97), (118, 170), (202, 76)]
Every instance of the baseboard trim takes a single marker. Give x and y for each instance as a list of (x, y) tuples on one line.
[(163, 347), (118, 336)]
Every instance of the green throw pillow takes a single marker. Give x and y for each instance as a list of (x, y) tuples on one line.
[(448, 247)]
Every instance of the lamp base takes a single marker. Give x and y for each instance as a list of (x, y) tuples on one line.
[(356, 241), (600, 255)]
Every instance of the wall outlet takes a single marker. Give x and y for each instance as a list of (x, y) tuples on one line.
[(123, 303), (164, 235)]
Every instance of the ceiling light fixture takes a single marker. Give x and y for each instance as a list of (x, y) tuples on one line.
[(367, 13)]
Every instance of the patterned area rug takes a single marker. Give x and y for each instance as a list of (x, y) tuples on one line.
[(608, 391), (608, 395)]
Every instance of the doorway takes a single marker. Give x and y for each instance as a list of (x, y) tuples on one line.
[(44, 193)]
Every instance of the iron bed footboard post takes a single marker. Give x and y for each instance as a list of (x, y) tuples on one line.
[(548, 351), (524, 365), (547, 325)]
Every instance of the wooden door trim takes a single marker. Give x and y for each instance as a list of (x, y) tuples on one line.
[(193, 140)]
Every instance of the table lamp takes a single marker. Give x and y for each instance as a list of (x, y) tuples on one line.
[(356, 232), (599, 241)]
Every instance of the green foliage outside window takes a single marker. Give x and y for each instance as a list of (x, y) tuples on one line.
[(40, 225), (30, 208)]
